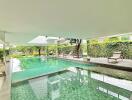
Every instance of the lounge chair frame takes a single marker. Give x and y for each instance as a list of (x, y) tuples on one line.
[(116, 56)]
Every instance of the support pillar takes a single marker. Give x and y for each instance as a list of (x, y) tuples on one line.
[(87, 46), (4, 53)]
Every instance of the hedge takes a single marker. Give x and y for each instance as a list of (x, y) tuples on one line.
[(107, 49)]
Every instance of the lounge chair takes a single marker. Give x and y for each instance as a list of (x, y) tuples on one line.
[(67, 55), (115, 57), (86, 58)]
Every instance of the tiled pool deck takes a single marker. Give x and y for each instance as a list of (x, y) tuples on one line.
[(126, 64)]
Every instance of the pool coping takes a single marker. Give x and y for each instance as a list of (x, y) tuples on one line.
[(39, 75)]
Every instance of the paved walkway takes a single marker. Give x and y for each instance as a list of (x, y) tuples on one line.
[(6, 87), (126, 64), (1, 81)]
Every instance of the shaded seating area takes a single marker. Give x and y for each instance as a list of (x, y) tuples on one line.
[(115, 57)]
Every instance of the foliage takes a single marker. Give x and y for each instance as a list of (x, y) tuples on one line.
[(94, 48), (1, 54), (65, 48), (28, 50), (106, 49), (77, 52), (20, 56), (51, 49), (125, 38), (112, 39), (84, 48)]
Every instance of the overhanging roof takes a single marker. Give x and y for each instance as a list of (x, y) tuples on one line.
[(23, 20)]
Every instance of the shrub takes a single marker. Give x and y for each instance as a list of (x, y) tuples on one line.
[(106, 49)]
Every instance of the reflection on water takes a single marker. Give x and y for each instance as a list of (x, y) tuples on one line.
[(39, 86), (73, 84), (30, 67)]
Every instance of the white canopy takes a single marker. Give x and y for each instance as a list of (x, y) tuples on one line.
[(24, 20), (43, 40), (39, 40)]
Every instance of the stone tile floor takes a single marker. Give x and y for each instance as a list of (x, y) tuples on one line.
[(126, 63)]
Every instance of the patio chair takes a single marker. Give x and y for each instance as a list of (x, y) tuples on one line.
[(86, 58), (116, 56), (70, 54), (67, 55)]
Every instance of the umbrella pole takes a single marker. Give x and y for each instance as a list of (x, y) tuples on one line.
[(47, 50)]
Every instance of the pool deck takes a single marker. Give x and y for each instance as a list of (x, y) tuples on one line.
[(6, 84), (126, 64)]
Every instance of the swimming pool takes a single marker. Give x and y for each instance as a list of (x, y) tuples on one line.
[(72, 84), (31, 67)]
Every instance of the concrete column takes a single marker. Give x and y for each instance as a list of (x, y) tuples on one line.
[(87, 46), (4, 53)]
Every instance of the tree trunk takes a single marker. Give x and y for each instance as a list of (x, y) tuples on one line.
[(39, 51), (78, 44)]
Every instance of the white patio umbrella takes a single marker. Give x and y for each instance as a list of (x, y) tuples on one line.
[(41, 40), (52, 38)]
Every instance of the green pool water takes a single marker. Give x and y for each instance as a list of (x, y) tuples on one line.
[(75, 84), (37, 66)]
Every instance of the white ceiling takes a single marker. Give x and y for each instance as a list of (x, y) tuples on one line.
[(23, 20)]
